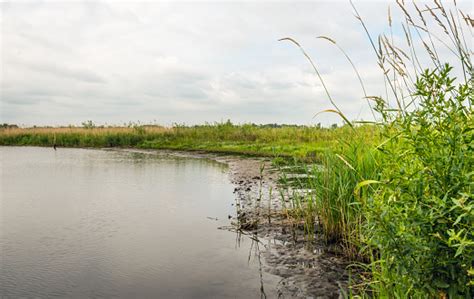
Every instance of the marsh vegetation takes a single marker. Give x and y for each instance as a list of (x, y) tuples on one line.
[(404, 206), (396, 192), (302, 142)]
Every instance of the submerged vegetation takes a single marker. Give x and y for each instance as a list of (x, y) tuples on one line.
[(396, 193)]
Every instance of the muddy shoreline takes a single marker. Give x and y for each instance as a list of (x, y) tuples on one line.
[(308, 268)]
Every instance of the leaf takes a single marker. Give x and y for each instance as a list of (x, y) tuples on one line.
[(470, 271), (367, 122), (345, 162), (365, 183), (362, 184), (459, 251), (441, 284), (458, 219)]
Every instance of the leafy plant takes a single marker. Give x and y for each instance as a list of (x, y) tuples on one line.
[(421, 219), (408, 207)]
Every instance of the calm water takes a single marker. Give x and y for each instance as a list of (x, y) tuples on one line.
[(79, 223)]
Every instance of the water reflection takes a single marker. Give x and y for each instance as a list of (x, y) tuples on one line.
[(81, 223)]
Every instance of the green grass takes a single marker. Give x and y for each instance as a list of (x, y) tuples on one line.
[(405, 206), (397, 195), (302, 142)]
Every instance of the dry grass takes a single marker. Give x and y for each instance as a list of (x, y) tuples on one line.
[(80, 130)]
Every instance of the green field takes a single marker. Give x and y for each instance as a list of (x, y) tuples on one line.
[(302, 142)]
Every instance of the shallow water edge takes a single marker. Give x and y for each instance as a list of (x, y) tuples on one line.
[(307, 268)]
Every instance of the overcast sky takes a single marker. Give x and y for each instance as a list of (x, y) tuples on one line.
[(184, 62)]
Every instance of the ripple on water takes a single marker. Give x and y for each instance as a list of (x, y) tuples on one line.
[(90, 223)]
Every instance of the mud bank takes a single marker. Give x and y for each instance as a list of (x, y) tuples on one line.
[(308, 268)]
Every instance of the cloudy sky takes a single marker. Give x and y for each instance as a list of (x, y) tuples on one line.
[(184, 62)]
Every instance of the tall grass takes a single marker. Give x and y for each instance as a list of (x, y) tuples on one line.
[(303, 142), (397, 194), (406, 205), (81, 137)]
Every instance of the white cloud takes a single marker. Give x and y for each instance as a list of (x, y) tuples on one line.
[(182, 61)]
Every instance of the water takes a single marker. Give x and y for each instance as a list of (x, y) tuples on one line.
[(79, 223)]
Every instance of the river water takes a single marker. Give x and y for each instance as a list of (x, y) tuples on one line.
[(80, 223)]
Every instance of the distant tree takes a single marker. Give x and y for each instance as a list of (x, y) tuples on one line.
[(88, 124), (9, 126)]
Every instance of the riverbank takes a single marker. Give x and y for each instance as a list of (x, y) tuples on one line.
[(307, 267), (268, 205), (335, 196), (302, 142)]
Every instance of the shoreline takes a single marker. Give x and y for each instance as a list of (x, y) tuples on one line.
[(308, 268)]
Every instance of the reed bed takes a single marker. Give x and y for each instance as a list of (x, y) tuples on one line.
[(79, 137), (302, 142)]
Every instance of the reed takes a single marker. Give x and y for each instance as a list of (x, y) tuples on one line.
[(80, 137), (396, 192), (303, 142), (404, 206)]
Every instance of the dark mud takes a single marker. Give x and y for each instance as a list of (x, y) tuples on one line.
[(308, 268)]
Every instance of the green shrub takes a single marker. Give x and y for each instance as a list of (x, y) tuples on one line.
[(421, 219)]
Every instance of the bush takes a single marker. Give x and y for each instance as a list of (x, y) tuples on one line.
[(421, 219)]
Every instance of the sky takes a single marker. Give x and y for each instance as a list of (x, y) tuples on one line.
[(65, 62)]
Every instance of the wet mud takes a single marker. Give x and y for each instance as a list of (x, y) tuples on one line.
[(309, 268)]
